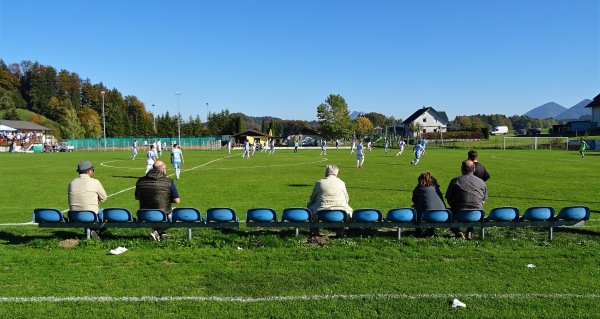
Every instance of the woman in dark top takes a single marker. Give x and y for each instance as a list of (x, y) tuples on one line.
[(427, 195)]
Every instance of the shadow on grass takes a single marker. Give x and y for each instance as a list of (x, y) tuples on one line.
[(548, 199), (300, 185), (136, 177), (12, 239), (571, 230)]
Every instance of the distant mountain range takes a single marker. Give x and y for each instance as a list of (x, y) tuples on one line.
[(561, 113)]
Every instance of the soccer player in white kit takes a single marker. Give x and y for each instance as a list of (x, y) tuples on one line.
[(401, 144), (360, 155), (177, 159), (150, 158)]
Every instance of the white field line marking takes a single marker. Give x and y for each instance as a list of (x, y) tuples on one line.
[(293, 298)]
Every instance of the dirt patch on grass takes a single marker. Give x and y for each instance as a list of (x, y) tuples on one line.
[(69, 243), (317, 240)]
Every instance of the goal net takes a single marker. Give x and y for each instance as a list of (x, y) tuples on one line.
[(535, 143)]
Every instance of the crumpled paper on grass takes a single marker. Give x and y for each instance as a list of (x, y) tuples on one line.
[(457, 303), (118, 250)]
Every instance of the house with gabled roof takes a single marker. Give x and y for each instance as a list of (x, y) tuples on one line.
[(426, 120), (595, 106)]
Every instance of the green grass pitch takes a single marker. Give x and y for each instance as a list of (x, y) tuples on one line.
[(273, 274)]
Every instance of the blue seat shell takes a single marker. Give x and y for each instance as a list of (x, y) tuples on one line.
[(401, 215), (574, 213), (261, 215), (186, 214), (117, 215), (436, 216), (469, 215), (367, 215), (82, 216), (296, 214), (504, 214), (151, 215), (221, 214), (332, 216), (538, 213), (47, 215)]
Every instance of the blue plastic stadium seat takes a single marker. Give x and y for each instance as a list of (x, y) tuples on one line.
[(186, 214), (574, 213), (504, 214), (436, 216), (296, 214), (221, 214), (469, 215), (261, 215), (82, 216), (401, 215), (48, 215), (117, 215), (367, 215), (151, 215), (538, 213), (332, 216)]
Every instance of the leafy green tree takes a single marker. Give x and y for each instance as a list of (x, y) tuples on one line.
[(91, 123), (11, 114), (377, 119), (6, 101), (69, 87), (263, 126), (241, 126), (363, 126), (220, 123), (333, 118), (71, 126)]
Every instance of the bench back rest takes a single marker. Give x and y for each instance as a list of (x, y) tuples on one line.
[(261, 215), (47, 215), (82, 216), (221, 214), (186, 214), (118, 215), (367, 215), (151, 215), (401, 215), (296, 214)]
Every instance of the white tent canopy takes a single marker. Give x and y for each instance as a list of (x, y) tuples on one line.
[(7, 128)]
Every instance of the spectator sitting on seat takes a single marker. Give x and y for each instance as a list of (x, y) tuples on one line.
[(86, 192), (157, 191), (329, 193), (427, 195), (466, 192), (479, 169)]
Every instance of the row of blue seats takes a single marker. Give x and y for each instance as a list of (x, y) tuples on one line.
[(265, 215)]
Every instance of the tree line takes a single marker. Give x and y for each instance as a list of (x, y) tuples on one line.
[(72, 107)]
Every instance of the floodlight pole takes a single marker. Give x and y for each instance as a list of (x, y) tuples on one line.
[(103, 119), (178, 120), (153, 118)]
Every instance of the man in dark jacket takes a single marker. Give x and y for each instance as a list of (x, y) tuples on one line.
[(466, 192), (479, 169), (157, 191)]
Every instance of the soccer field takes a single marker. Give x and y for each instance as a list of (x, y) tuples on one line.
[(268, 273)]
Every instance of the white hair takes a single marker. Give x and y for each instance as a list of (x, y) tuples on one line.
[(331, 170)]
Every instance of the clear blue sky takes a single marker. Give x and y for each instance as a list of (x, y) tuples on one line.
[(283, 58)]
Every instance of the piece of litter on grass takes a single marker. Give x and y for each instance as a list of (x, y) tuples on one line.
[(458, 303), (530, 266), (240, 248), (118, 250)]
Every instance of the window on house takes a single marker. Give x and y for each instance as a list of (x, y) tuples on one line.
[(424, 119)]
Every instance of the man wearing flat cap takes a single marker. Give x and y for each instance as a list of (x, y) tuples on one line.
[(85, 192)]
